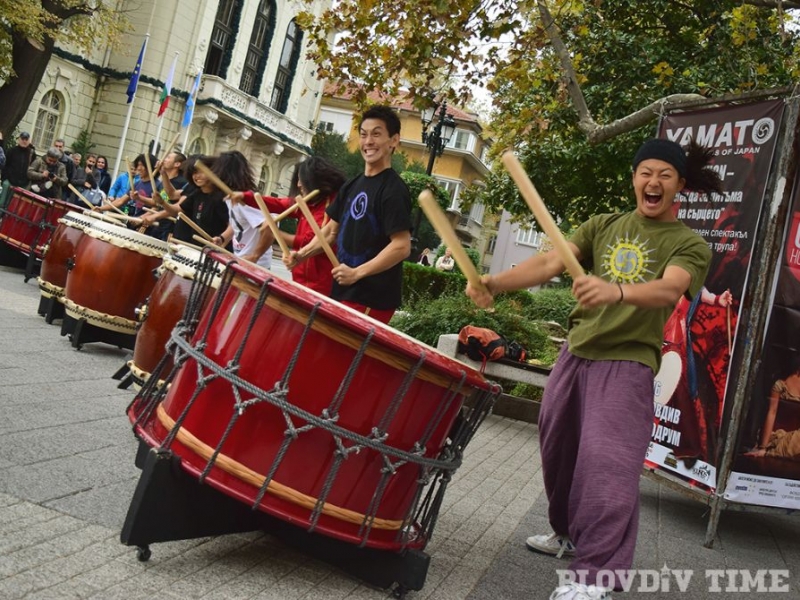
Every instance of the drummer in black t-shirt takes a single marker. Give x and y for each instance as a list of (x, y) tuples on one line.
[(370, 221)]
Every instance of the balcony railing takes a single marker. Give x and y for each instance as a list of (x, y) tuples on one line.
[(249, 106)]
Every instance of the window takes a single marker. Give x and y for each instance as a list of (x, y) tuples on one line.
[(325, 127), (197, 146), (529, 237), (476, 212), (263, 180), (219, 50), (286, 67), (462, 140), (453, 188), (490, 247), (258, 50), (47, 120)]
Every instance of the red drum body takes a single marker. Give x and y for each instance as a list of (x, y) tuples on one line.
[(316, 414), (60, 252), (164, 308), (29, 221), (112, 275)]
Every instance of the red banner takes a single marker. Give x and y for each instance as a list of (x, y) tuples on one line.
[(690, 388), (766, 469)]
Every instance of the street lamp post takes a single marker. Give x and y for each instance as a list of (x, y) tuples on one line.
[(436, 141)]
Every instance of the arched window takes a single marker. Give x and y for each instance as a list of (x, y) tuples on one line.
[(197, 146), (223, 37), (47, 120), (264, 180), (258, 50), (289, 57)]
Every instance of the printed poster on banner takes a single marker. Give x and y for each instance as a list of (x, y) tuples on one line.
[(766, 467), (690, 387)]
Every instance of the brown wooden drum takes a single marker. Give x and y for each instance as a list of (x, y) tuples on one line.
[(164, 308), (296, 405), (59, 253), (112, 275)]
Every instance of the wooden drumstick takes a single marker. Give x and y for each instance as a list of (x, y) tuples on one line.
[(195, 226), (445, 230), (171, 145), (152, 177), (542, 215), (228, 191), (294, 207), (326, 247), (111, 204), (211, 244), (270, 221), (75, 191), (213, 177), (130, 173)]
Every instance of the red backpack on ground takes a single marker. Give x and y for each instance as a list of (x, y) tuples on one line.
[(484, 345)]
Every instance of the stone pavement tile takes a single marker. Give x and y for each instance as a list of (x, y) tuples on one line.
[(336, 586), (202, 582), (66, 590), (32, 580), (109, 574), (288, 588), (107, 504)]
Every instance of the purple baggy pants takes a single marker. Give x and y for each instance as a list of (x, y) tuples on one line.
[(594, 427)]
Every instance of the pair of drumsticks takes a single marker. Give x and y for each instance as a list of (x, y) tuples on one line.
[(269, 220), (445, 230)]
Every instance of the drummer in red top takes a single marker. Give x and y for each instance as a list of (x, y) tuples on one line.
[(370, 221), (315, 173)]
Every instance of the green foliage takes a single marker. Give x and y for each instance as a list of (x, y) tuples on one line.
[(333, 146), (642, 52), (434, 304), (448, 314), (83, 145)]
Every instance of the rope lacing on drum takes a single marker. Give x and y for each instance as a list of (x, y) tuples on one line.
[(280, 394)]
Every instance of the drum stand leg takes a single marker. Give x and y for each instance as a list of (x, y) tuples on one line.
[(51, 309), (32, 266), (125, 377), (82, 332), (169, 504)]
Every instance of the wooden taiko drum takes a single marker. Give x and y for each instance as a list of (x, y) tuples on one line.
[(298, 406)]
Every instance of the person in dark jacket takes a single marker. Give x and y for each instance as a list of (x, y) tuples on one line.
[(18, 161)]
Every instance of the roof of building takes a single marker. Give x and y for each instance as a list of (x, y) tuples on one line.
[(404, 101)]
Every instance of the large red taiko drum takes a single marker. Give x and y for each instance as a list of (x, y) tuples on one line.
[(29, 220), (296, 405)]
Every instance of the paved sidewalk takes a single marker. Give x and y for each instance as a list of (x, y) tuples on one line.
[(67, 475)]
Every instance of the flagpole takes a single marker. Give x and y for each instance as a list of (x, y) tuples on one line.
[(128, 116), (190, 107), (168, 84)]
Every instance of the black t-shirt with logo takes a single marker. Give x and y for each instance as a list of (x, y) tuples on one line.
[(369, 210), (208, 210)]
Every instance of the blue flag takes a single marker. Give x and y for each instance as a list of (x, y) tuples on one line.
[(188, 113), (137, 70)]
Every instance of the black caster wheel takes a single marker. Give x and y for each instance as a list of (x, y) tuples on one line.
[(143, 553), (399, 591)]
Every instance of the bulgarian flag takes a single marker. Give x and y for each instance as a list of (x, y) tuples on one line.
[(167, 89)]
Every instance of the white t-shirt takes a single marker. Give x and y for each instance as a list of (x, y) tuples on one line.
[(245, 221)]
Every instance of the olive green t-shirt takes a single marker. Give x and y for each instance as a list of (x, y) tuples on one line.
[(629, 248)]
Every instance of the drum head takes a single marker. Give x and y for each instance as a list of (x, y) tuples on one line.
[(668, 377)]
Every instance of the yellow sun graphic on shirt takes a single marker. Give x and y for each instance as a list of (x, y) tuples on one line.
[(628, 260)]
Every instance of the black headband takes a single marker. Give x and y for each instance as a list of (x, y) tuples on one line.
[(669, 152)]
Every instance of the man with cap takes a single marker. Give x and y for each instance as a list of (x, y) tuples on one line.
[(597, 409), (18, 161)]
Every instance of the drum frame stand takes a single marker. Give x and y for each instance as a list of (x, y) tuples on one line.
[(82, 332), (169, 504), (51, 309)]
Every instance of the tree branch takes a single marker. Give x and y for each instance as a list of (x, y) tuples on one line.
[(585, 120), (776, 4)]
